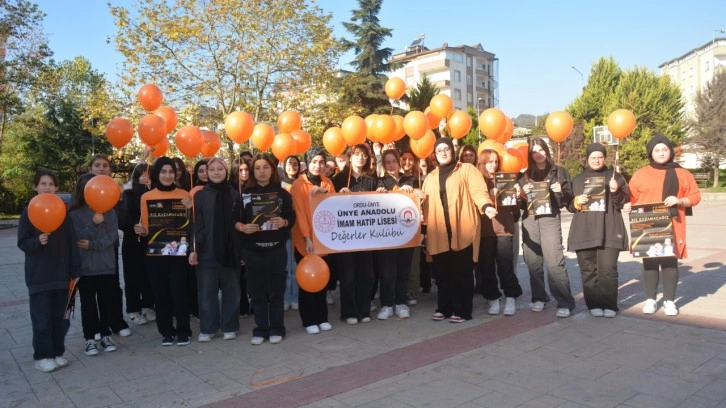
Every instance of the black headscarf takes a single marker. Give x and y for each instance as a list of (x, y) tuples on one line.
[(156, 170), (309, 156), (444, 171), (222, 227), (670, 183), (592, 148)]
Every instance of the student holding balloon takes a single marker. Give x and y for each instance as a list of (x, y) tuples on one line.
[(51, 261)]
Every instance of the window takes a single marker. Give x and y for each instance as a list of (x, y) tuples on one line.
[(705, 66), (457, 76), (457, 94), (690, 72), (469, 97), (468, 61), (468, 80), (410, 81), (458, 57)]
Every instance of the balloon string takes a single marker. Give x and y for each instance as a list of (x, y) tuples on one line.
[(559, 151)]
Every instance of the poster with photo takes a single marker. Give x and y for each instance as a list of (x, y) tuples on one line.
[(538, 199), (595, 190), (651, 231), (265, 206), (168, 227), (506, 193)]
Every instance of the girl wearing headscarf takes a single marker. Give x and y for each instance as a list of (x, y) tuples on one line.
[(199, 177), (597, 237), (664, 181), (313, 307), (542, 233), (213, 253), (456, 195)]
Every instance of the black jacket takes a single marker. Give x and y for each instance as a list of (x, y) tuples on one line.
[(203, 226), (557, 200), (362, 183), (263, 240)]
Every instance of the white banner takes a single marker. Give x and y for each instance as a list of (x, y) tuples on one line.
[(365, 221)]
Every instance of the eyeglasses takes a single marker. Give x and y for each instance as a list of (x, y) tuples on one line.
[(444, 150)]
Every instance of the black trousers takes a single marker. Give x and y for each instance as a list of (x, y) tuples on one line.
[(49, 326), (244, 298), (668, 266), (313, 309), (599, 270), (333, 264), (394, 266), (169, 282), (137, 286), (495, 261), (356, 281), (97, 302), (266, 275), (455, 279)]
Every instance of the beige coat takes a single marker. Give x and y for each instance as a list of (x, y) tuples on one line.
[(466, 193)]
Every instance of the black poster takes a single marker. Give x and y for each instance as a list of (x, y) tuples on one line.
[(651, 231), (168, 222), (595, 191), (538, 199), (506, 193), (264, 207)]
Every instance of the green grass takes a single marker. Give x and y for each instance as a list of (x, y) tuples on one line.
[(4, 216)]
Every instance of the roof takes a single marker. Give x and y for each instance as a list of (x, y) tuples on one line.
[(476, 49), (693, 51)]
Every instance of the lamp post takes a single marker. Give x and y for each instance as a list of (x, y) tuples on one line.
[(582, 77), (478, 129)]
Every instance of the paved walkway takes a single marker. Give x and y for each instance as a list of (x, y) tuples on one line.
[(531, 359)]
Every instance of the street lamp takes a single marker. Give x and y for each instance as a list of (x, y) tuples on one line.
[(582, 77), (478, 103)]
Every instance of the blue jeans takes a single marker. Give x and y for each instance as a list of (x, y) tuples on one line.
[(291, 287)]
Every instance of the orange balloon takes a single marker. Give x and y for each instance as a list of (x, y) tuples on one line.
[(333, 141), (621, 123), (160, 148), (102, 193), (212, 143), (150, 97), (400, 131), (262, 136), (152, 129), (523, 150), (510, 161), (442, 106), (384, 129), (354, 130), (492, 123), (302, 140), (492, 145), (312, 273), (169, 116), (283, 145), (415, 124), (46, 212), (507, 133), (239, 126), (189, 140), (395, 88), (424, 146), (119, 132), (558, 126), (289, 121), (459, 124), (370, 122), (432, 118)]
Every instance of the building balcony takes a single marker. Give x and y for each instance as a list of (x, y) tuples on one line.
[(434, 66)]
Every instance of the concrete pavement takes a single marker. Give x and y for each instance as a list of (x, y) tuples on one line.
[(530, 360)]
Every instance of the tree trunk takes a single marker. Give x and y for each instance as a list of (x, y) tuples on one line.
[(715, 173)]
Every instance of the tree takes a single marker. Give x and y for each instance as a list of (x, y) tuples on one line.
[(420, 97), (370, 58), (709, 123), (25, 53), (227, 55)]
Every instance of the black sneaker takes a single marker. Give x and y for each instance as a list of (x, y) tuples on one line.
[(91, 349), (183, 340), (107, 344), (168, 341)]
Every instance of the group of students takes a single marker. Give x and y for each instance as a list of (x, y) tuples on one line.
[(469, 243)]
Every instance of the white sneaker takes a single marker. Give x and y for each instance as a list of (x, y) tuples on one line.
[(46, 365), (61, 362), (312, 329), (329, 299), (275, 339), (295, 306), (365, 320), (229, 336), (326, 326), (563, 312), (609, 313), (536, 306), (373, 307), (510, 306), (351, 320), (650, 306), (137, 318), (597, 312), (149, 314), (257, 340), (124, 332), (403, 312), (385, 313), (494, 307), (670, 309), (286, 307), (204, 338)]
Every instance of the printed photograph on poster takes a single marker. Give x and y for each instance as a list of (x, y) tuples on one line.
[(168, 222), (538, 199), (265, 206), (506, 193), (651, 231), (595, 190)]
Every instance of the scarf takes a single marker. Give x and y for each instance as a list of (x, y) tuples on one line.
[(444, 171), (312, 153), (221, 226), (670, 182)]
